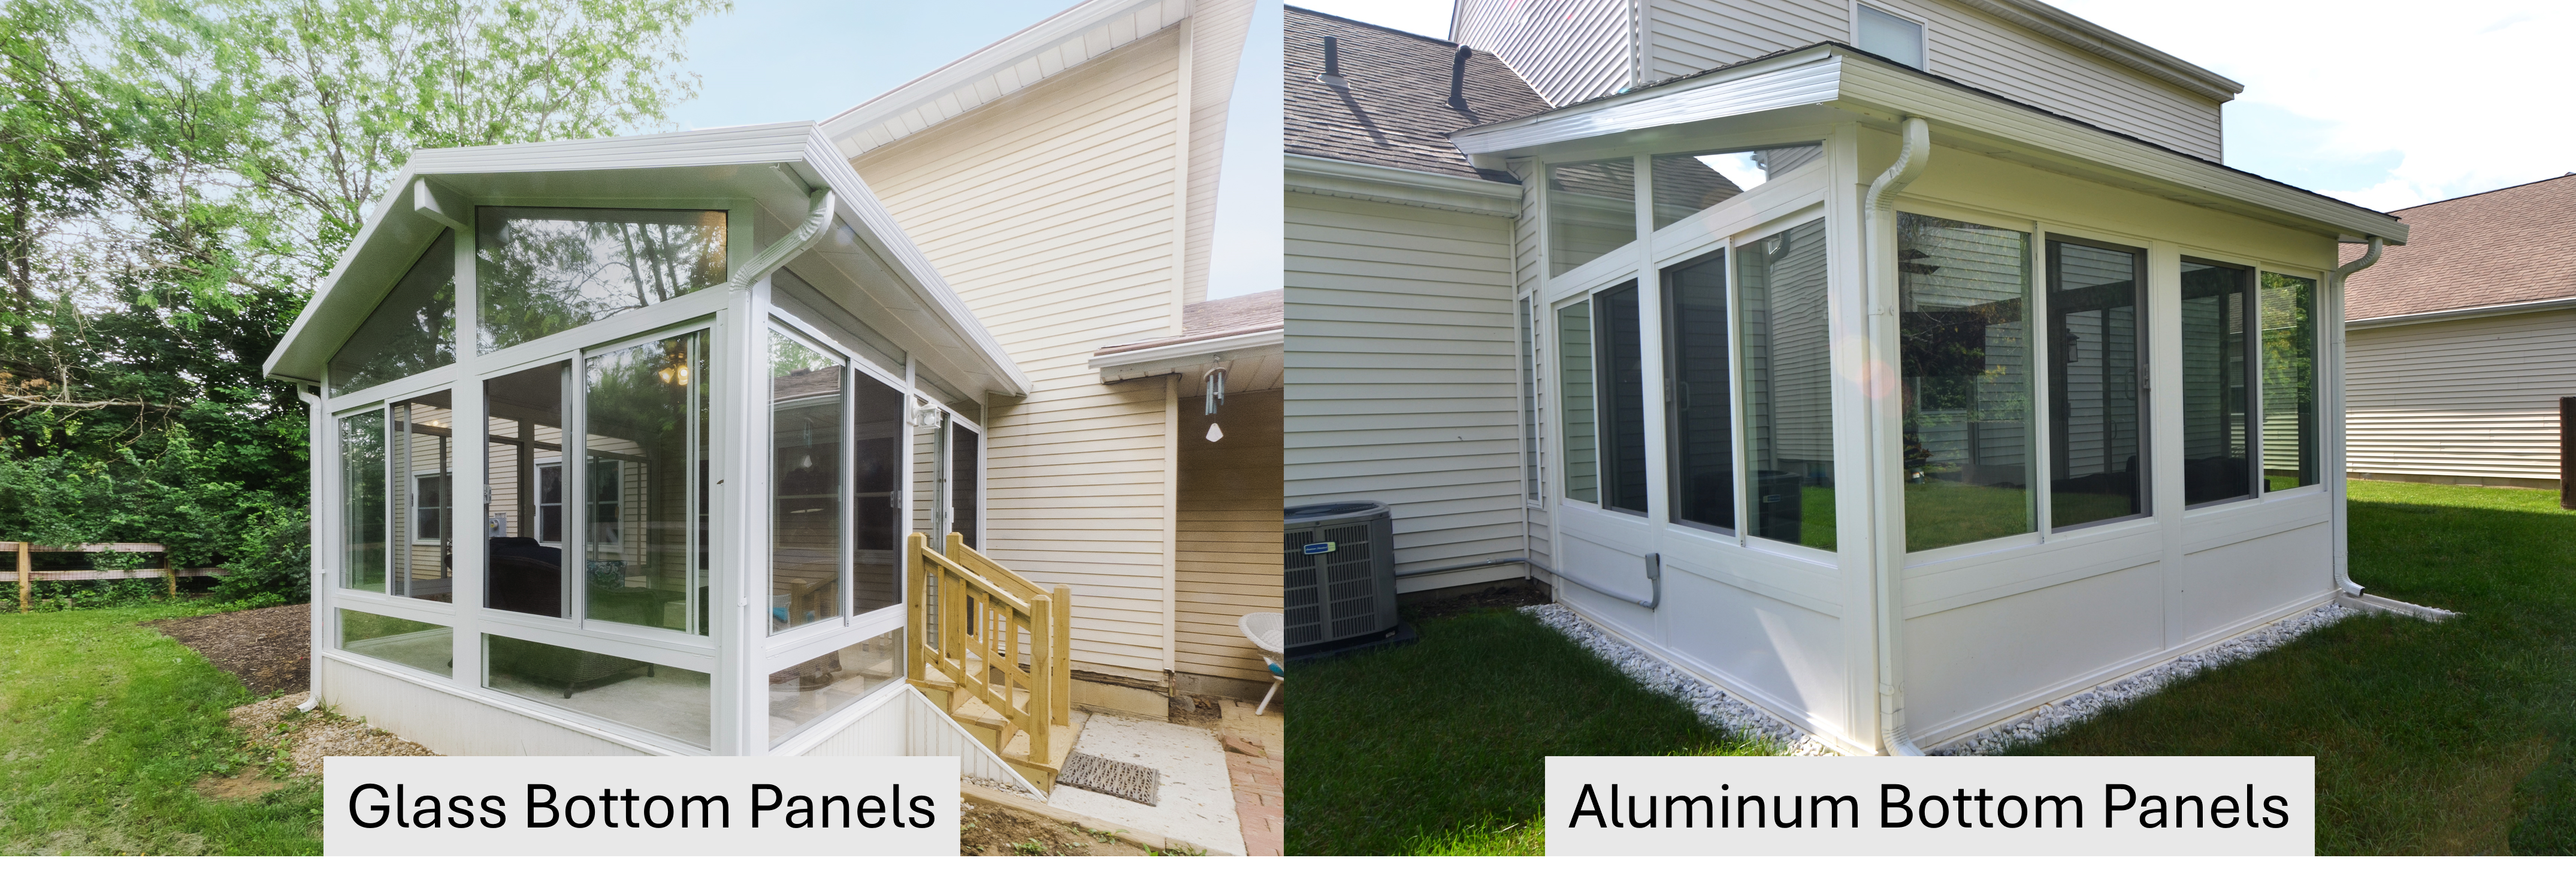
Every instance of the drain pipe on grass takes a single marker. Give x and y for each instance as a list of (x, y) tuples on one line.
[(2335, 483), (1887, 521)]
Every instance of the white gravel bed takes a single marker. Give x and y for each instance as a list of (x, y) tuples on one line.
[(1717, 707), (1714, 705), (2085, 705)]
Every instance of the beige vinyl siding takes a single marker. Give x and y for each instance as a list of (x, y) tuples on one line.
[(1688, 36), (1525, 280), (1230, 552), (1566, 50), (2462, 398), (1053, 212), (1217, 30), (1403, 383)]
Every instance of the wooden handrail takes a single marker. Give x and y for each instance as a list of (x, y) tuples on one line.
[(27, 576), (979, 644)]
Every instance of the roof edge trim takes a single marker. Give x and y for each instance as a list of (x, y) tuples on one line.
[(1406, 187), (2463, 313)]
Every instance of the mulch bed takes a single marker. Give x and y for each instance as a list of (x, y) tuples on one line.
[(1508, 594), (992, 831), (269, 648)]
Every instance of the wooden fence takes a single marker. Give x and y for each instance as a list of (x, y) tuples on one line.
[(27, 576)]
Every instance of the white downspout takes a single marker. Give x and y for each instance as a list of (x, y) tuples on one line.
[(821, 205), (2334, 412), (1887, 490), (314, 419)]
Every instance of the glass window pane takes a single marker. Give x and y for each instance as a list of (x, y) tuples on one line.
[(1700, 406), (1591, 210), (1898, 39), (1788, 386), (523, 491), (1574, 401), (875, 576), (412, 331), (1688, 183), (424, 452), (1622, 405), (658, 698), (2289, 317), (2096, 367), (817, 688), (805, 484), (362, 501), (542, 271), (643, 449), (2217, 437), (965, 451), (410, 643), (1964, 290)]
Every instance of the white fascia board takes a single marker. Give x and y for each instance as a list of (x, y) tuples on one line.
[(1407, 187), (1016, 62), (1160, 360), (2463, 313), (287, 362), (1871, 89)]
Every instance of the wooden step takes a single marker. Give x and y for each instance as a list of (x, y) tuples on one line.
[(985, 723)]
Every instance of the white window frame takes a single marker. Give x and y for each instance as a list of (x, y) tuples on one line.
[(1922, 26)]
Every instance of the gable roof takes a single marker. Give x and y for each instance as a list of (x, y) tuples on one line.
[(1395, 110), (1065, 39), (2508, 246)]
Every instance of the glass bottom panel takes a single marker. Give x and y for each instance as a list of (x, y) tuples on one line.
[(659, 698), (410, 643), (825, 685)]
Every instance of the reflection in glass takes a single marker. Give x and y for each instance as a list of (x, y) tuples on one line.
[(2289, 317), (817, 688), (1964, 294), (523, 491), (1591, 210), (412, 331), (362, 501), (658, 698), (1688, 183), (543, 271), (1574, 401), (2216, 342), (403, 641), (1701, 413), (879, 431), (1529, 409), (643, 417), (1622, 402), (424, 519), (1788, 386), (805, 484), (2095, 376)]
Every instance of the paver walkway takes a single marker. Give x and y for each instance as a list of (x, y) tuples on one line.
[(1255, 760)]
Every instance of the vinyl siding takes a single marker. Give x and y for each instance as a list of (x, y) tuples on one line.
[(2463, 398), (1053, 212), (1402, 377), (1229, 553), (1525, 280), (1567, 50), (1587, 56)]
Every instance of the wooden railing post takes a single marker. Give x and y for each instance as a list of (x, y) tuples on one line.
[(26, 582), (917, 618), (1062, 652), (172, 572), (1041, 675)]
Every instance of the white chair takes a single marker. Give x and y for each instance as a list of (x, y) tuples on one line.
[(1263, 628)]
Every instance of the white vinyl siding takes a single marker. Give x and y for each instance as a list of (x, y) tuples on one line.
[(1053, 213), (1403, 383), (1566, 50), (2462, 398), (1525, 279)]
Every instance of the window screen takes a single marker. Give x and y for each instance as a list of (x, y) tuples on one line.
[(2096, 372), (2289, 308), (2217, 326), (1622, 403), (1788, 386), (1964, 298), (1699, 407)]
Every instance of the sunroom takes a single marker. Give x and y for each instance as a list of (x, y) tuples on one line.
[(711, 389), (1900, 409)]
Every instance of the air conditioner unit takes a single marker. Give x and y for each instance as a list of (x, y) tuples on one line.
[(1339, 576)]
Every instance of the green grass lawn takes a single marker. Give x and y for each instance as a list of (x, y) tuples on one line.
[(1440, 747), (105, 728), (2456, 737)]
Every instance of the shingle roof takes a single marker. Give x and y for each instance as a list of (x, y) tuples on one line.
[(1218, 318), (1395, 111), (2501, 247)]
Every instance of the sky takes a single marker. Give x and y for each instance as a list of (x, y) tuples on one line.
[(775, 61), (2380, 104)]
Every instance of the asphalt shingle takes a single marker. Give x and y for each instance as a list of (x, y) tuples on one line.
[(1394, 111), (2501, 247)]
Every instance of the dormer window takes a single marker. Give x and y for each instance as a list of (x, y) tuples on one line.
[(1883, 33)]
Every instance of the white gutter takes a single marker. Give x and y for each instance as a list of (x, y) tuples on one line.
[(820, 207), (1887, 490), (2333, 408), (1191, 350)]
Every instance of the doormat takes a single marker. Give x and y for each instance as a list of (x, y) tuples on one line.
[(1125, 780)]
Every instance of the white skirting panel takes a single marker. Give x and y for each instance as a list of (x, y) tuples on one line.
[(450, 724), (928, 732)]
